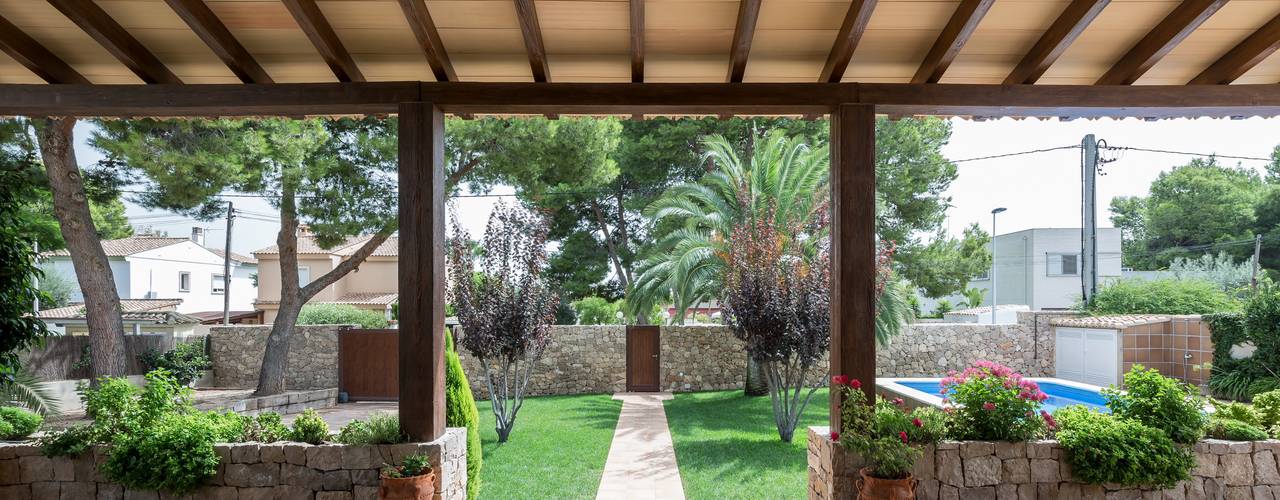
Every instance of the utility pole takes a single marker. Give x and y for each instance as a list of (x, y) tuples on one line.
[(226, 268), (1089, 230), (994, 303), (1257, 254)]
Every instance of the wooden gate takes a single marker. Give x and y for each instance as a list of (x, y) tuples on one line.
[(369, 364), (643, 358)]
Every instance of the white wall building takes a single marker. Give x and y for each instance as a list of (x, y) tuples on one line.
[(152, 267)]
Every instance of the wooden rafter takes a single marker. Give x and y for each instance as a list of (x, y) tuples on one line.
[(528, 16), (1064, 30), (424, 29), (743, 32), (637, 41), (953, 37), (107, 32), (1243, 57), (326, 41), (1171, 31), (855, 23), (30, 54), (210, 29)]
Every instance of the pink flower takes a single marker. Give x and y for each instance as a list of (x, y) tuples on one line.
[(989, 406), (1049, 420), (916, 422), (1024, 395), (840, 380), (855, 383), (949, 409), (1041, 396), (897, 401), (835, 436), (903, 435)]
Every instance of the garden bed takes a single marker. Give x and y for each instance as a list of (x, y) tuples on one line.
[(1036, 469)]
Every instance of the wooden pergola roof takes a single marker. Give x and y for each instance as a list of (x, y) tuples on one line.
[(1061, 42)]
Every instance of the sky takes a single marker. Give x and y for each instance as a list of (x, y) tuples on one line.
[(1039, 190)]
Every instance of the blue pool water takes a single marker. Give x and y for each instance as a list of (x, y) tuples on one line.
[(1059, 395)]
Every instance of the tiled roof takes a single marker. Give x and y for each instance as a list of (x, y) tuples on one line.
[(974, 311), (307, 246), (359, 298), (127, 246), (1110, 322), (243, 259), (157, 310)]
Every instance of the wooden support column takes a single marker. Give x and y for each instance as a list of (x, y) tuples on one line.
[(853, 253), (421, 271)]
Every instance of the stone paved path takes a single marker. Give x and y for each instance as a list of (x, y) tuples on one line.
[(642, 459)]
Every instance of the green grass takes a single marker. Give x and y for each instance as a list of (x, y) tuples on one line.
[(556, 451), (727, 446)]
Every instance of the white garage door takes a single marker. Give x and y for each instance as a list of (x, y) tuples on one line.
[(1088, 355)]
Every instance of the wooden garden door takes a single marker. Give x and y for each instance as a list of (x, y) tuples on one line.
[(369, 364), (643, 358)]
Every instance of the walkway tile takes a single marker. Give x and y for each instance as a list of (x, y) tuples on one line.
[(642, 458)]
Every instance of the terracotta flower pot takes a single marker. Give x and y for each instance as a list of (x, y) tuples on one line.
[(408, 488), (874, 488)]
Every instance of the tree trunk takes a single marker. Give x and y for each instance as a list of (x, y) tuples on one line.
[(757, 382), (93, 270), (271, 379)]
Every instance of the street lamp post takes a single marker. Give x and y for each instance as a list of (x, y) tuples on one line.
[(993, 262)]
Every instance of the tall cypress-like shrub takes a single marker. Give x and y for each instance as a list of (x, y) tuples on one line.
[(460, 411)]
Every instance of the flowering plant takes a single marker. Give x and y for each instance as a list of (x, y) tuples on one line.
[(989, 401), (885, 434)]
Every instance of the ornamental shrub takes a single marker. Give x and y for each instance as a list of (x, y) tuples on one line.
[(1103, 448), (70, 442), (309, 428), (185, 361), (341, 314), (990, 402), (266, 427), (1239, 412), (1267, 405), (461, 411), (1161, 296), (596, 311), (380, 428), (175, 454), (20, 423), (884, 434), (1159, 402), (1234, 430)]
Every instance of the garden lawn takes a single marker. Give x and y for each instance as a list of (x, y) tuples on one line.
[(556, 451), (727, 446)]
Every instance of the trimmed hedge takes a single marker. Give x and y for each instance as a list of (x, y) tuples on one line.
[(461, 411), (1162, 296), (341, 314)]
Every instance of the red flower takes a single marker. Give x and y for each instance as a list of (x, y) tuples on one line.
[(916, 422), (903, 435), (840, 380), (835, 436), (855, 383), (897, 401), (989, 406), (1049, 420)]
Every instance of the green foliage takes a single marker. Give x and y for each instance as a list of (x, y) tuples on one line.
[(1242, 379), (70, 442), (57, 288), (1233, 430), (411, 466), (946, 264), (341, 314), (18, 423), (1159, 402), (884, 434), (266, 427), (175, 454), (1161, 296), (19, 330), (460, 411), (1221, 270), (942, 307), (1104, 448), (380, 428), (26, 391), (596, 311), (185, 361), (1267, 405), (1239, 412), (309, 427), (991, 402)]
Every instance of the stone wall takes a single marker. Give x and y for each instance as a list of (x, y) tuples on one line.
[(931, 349), (236, 352), (246, 471), (287, 403), (579, 360), (1037, 469)]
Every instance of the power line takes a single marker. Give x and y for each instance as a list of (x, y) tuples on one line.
[(1018, 153), (1187, 153)]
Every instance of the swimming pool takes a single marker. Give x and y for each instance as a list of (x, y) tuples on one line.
[(924, 391)]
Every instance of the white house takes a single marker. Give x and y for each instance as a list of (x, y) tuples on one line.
[(153, 267)]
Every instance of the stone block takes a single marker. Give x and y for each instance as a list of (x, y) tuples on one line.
[(9, 473), (1011, 450), (1040, 449), (369, 477), (1240, 447), (108, 491), (950, 468), (361, 457), (1044, 471), (979, 493), (216, 493), (1206, 465), (1262, 492), (1007, 492), (982, 470), (1238, 469), (325, 457), (35, 468), (333, 495), (84, 469), (257, 493), (252, 475), (1091, 491), (271, 453), (45, 490), (1177, 492), (296, 453), (299, 475), (16, 492), (1047, 491), (63, 469), (245, 453), (1195, 489), (140, 495), (927, 488), (948, 492), (976, 448), (923, 470), (366, 493), (1264, 468), (1125, 494), (78, 490), (1239, 493), (293, 492), (1016, 471), (336, 480)]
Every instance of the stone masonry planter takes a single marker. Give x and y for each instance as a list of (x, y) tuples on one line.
[(974, 470), (247, 471)]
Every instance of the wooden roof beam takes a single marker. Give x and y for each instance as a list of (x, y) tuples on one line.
[(107, 32), (528, 16), (1171, 31), (424, 29), (855, 23), (743, 32), (1243, 57), (951, 40), (1064, 30), (326, 41), (210, 29), (637, 41), (29, 53)]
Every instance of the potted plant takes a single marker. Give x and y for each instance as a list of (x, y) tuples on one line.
[(887, 437), (413, 479)]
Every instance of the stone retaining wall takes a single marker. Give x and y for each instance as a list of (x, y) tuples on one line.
[(1026, 470), (247, 471), (285, 404), (236, 352)]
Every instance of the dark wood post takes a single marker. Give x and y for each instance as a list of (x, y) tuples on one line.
[(421, 271), (853, 237)]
